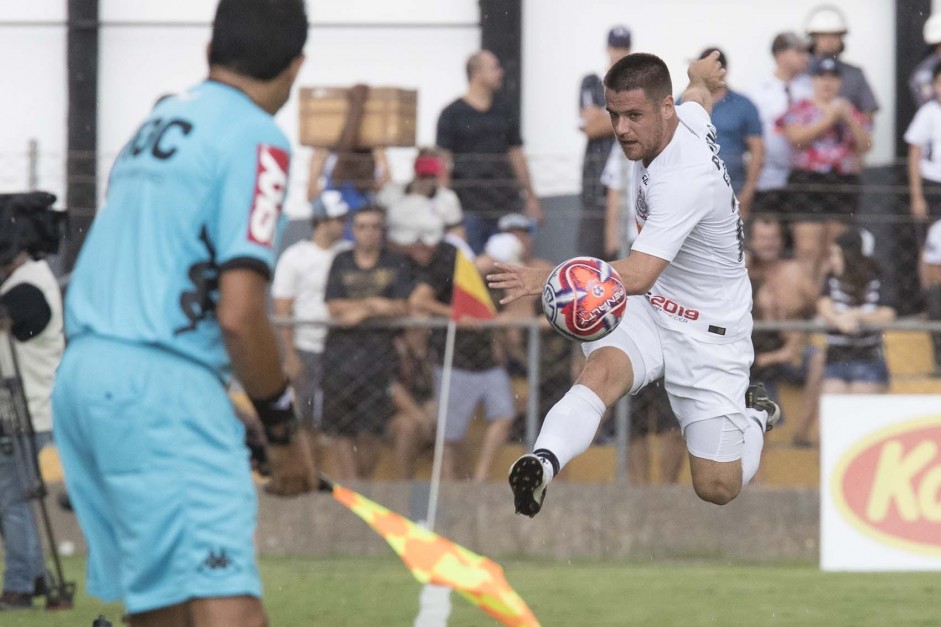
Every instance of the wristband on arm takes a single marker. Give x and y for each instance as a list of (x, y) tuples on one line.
[(277, 416)]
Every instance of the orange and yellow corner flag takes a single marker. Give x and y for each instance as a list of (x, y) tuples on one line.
[(436, 560), (470, 298)]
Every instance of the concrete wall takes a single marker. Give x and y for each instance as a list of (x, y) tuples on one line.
[(595, 521)]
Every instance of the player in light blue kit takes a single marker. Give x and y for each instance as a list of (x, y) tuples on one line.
[(167, 301)]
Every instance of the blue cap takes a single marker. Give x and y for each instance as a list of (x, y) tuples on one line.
[(619, 37), (329, 205)]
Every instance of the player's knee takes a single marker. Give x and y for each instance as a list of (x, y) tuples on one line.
[(717, 490)]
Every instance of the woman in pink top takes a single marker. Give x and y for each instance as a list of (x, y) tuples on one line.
[(829, 136)]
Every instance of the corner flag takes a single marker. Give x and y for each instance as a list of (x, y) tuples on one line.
[(470, 297), (436, 560)]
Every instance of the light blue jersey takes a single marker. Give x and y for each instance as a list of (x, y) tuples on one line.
[(198, 190)]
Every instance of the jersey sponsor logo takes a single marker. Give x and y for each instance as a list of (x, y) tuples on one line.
[(889, 485), (271, 177), (672, 308)]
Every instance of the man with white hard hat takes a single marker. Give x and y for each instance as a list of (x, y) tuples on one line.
[(920, 81), (826, 28)]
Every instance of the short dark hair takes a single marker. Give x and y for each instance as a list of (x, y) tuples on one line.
[(640, 70), (258, 38)]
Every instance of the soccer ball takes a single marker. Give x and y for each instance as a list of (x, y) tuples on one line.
[(584, 299)]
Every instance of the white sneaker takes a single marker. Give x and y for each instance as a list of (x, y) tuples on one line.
[(529, 478)]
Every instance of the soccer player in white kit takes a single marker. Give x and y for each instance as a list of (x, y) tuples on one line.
[(688, 316)]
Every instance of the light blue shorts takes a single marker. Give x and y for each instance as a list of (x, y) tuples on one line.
[(157, 470), (468, 389)]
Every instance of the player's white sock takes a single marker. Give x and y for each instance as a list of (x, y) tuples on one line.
[(759, 416), (754, 436), (571, 424)]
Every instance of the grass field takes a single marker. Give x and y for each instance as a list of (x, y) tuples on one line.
[(337, 592)]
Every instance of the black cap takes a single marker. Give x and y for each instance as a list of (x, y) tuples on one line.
[(619, 37), (827, 65)]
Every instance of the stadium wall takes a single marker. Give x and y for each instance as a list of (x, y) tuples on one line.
[(592, 521)]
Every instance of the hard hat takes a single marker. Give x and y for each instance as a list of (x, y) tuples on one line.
[(932, 30), (827, 19)]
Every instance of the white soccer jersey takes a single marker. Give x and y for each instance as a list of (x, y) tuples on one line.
[(689, 216), (925, 131), (301, 274)]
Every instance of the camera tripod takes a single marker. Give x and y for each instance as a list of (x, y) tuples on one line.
[(17, 439)]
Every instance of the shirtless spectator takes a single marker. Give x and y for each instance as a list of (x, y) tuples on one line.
[(783, 290)]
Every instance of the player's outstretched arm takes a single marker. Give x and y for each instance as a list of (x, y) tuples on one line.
[(517, 281), (705, 76)]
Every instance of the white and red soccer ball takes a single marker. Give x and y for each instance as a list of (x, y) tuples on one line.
[(584, 299)]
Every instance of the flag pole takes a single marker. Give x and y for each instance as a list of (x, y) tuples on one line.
[(446, 369)]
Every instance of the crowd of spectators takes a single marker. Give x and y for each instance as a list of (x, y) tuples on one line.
[(794, 145)]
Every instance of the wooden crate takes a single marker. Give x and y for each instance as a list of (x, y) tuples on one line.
[(389, 119)]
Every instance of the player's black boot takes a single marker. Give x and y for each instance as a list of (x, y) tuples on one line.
[(757, 398), (529, 478)]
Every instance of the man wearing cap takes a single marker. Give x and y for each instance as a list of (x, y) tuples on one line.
[(298, 291), (773, 95), (829, 136), (920, 81), (428, 191), (826, 28), (596, 125), (482, 137), (478, 376)]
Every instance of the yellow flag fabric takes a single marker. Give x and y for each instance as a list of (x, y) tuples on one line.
[(436, 560), (470, 297)]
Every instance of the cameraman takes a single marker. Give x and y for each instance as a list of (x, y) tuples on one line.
[(30, 297)]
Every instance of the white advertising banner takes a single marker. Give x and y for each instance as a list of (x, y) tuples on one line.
[(880, 483)]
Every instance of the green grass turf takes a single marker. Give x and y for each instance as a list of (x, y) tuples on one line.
[(379, 591)]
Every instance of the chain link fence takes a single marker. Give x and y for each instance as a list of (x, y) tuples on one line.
[(380, 388)]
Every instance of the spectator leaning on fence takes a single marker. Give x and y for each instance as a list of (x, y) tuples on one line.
[(773, 95), (366, 284), (482, 137), (298, 291), (478, 375), (852, 298), (783, 290), (738, 133), (29, 295), (829, 136), (596, 125)]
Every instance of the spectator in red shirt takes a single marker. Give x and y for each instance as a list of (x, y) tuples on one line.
[(829, 136)]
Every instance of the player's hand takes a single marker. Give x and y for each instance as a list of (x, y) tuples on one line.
[(292, 470), (517, 281), (707, 71)]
